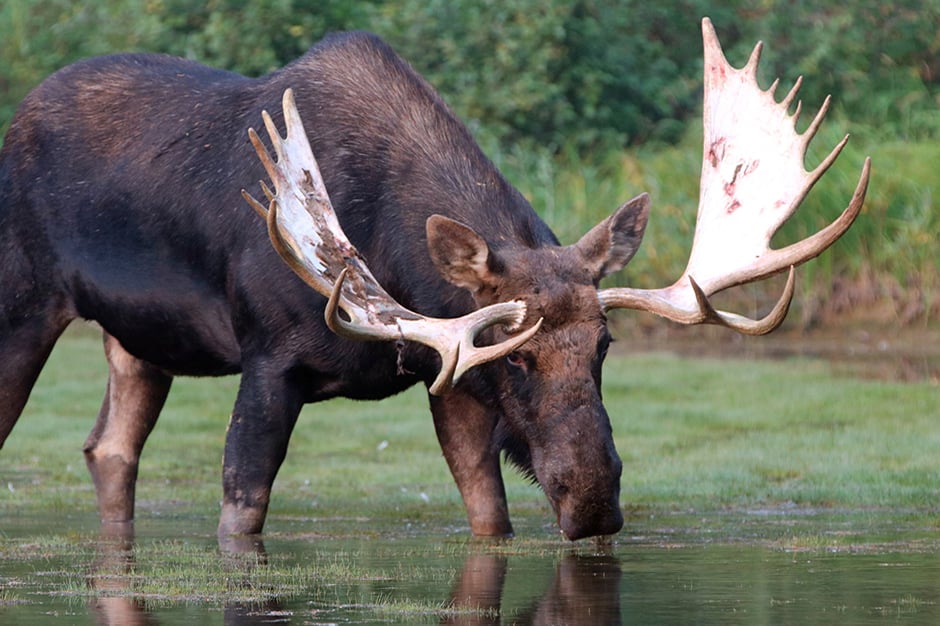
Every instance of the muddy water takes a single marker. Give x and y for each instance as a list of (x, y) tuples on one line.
[(749, 567)]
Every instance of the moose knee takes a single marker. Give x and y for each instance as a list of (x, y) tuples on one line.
[(115, 479)]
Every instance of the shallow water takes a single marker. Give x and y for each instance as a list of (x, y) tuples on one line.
[(744, 567), (763, 566)]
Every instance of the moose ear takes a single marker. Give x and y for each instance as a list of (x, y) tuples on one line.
[(610, 245), (459, 253)]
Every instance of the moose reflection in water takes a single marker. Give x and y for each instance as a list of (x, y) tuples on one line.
[(110, 578), (673, 569), (585, 589)]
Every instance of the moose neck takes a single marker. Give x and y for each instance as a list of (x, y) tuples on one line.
[(393, 153)]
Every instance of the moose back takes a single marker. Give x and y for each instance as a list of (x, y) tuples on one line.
[(120, 202)]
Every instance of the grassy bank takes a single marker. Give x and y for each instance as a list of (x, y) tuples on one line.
[(701, 433)]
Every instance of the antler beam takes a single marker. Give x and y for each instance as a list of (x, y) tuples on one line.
[(753, 180), (305, 231)]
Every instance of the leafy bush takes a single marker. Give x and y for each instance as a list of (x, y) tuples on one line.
[(591, 74)]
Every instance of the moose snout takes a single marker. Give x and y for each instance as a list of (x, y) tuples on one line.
[(589, 509), (606, 519)]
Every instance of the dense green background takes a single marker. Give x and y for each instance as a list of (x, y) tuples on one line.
[(553, 71), (584, 104)]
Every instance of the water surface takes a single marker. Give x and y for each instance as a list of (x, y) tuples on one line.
[(747, 567), (786, 565)]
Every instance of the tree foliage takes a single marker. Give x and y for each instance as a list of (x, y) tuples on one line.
[(586, 74)]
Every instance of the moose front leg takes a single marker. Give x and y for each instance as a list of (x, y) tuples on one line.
[(255, 446), (465, 431)]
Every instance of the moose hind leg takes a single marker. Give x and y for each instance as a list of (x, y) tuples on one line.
[(23, 352), (132, 402)]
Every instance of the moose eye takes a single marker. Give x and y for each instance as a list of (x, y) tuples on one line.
[(516, 359)]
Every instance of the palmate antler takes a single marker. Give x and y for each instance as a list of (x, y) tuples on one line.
[(306, 233), (753, 179)]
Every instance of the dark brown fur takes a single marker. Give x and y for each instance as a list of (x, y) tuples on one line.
[(120, 202)]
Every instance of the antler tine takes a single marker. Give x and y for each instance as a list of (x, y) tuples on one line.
[(826, 163), (262, 153), (753, 61), (753, 180), (305, 232), (457, 357), (788, 100), (257, 206), (810, 132), (740, 323), (815, 244)]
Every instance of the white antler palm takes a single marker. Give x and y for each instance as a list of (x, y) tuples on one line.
[(753, 179)]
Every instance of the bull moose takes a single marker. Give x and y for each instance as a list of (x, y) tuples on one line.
[(121, 202)]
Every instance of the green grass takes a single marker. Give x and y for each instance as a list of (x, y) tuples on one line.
[(704, 433), (719, 433)]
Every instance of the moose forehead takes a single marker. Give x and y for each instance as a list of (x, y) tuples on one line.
[(555, 284)]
